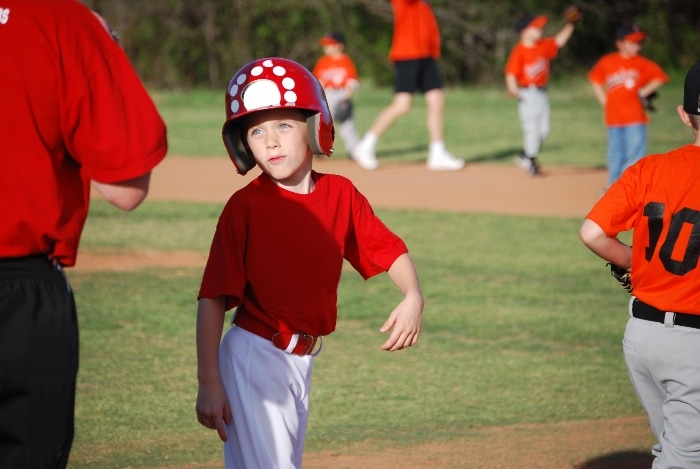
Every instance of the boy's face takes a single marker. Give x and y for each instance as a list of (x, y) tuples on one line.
[(532, 33), (333, 49), (629, 48), (277, 138)]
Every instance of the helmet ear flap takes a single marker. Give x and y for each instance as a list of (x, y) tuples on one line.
[(316, 136), (237, 150)]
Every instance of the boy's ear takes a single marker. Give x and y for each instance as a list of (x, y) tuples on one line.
[(685, 118)]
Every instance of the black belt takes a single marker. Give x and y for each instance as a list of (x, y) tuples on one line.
[(641, 310)]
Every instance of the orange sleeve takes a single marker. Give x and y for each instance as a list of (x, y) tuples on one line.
[(416, 32)]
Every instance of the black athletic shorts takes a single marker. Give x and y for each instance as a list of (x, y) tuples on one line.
[(38, 364), (416, 75)]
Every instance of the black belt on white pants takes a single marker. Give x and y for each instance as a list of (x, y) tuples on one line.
[(641, 310)]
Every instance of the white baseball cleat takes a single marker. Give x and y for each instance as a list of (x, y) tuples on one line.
[(363, 155), (444, 161)]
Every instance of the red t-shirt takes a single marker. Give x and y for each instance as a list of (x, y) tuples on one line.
[(659, 198), (336, 72), (621, 78), (73, 109), (530, 65), (416, 34), (279, 254)]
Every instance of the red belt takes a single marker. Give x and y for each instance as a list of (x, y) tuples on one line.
[(298, 343)]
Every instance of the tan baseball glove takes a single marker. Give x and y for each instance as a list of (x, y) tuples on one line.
[(573, 14)]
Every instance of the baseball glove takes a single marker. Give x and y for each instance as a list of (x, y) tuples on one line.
[(622, 276), (344, 110), (648, 102), (573, 14)]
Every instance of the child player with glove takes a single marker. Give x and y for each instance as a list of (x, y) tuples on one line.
[(623, 81), (276, 257), (527, 75), (337, 73), (659, 198)]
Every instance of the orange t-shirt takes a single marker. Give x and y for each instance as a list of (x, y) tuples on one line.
[(659, 198), (621, 79), (530, 65), (416, 33), (336, 72)]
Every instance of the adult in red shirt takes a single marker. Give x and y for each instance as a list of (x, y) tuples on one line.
[(74, 113), (415, 51), (659, 198), (621, 80)]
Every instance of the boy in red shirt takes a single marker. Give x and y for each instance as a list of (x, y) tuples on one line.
[(276, 257), (415, 51), (338, 76), (659, 198), (526, 77), (621, 81)]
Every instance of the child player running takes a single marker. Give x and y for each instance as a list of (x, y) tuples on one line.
[(276, 257)]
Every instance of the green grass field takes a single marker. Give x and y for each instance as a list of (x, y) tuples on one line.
[(522, 324)]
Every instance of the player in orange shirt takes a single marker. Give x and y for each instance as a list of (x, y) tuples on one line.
[(659, 198), (415, 51), (526, 76), (337, 73), (621, 81)]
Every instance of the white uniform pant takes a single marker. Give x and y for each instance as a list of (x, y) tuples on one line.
[(346, 129), (663, 361), (534, 113), (268, 391)]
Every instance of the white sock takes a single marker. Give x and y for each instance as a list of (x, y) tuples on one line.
[(437, 148), (370, 139)]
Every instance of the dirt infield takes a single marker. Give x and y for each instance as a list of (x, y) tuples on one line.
[(486, 188)]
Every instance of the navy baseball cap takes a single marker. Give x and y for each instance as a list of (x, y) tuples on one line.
[(691, 90)]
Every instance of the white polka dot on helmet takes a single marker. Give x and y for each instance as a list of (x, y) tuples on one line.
[(271, 83)]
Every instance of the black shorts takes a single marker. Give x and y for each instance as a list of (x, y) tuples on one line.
[(38, 363), (416, 75)]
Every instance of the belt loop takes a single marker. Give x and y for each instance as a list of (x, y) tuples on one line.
[(631, 305), (57, 265), (669, 319)]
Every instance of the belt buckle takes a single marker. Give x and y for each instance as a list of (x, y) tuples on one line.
[(300, 343)]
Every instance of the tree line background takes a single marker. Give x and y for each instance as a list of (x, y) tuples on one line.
[(183, 44)]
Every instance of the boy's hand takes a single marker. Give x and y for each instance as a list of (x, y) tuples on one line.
[(406, 320), (213, 410)]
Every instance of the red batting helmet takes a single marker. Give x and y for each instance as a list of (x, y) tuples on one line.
[(272, 83)]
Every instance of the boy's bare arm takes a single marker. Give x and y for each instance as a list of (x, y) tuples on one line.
[(650, 87), (212, 405), (563, 36), (607, 248), (599, 93), (512, 85), (407, 317)]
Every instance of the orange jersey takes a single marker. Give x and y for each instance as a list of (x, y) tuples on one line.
[(336, 72), (659, 198), (416, 33), (530, 65), (621, 79)]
